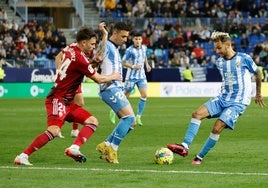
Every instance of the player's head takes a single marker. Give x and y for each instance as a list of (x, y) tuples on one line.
[(120, 33), (137, 39), (86, 39), (222, 43)]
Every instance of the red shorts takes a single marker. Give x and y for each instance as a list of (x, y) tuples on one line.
[(79, 89), (58, 111)]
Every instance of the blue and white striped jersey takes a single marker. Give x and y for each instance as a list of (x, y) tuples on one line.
[(236, 76), (110, 64), (135, 56)]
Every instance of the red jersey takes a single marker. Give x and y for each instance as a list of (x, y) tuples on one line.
[(74, 66)]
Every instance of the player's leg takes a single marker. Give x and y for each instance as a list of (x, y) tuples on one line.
[(103, 146), (129, 86), (121, 105), (121, 130), (202, 112), (60, 135), (54, 125), (75, 130), (79, 100), (142, 86), (36, 144), (210, 142), (227, 119), (90, 123)]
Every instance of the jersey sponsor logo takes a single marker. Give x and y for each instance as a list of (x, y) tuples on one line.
[(90, 69)]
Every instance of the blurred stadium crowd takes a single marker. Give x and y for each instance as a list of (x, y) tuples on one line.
[(171, 41)]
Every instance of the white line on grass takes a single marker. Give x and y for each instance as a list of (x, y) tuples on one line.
[(139, 170)]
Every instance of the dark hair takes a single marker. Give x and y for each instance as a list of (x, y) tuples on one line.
[(136, 34), (121, 26), (85, 33)]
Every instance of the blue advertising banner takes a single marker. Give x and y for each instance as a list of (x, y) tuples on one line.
[(29, 75), (44, 75)]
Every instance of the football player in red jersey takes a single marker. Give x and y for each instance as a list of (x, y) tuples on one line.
[(78, 98), (59, 102)]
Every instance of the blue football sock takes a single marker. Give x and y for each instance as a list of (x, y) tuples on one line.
[(122, 129), (209, 144), (111, 136), (141, 106), (192, 131)]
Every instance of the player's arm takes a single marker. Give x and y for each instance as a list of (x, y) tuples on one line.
[(258, 97), (100, 51), (106, 78), (129, 65), (148, 67), (58, 60), (92, 73), (125, 62)]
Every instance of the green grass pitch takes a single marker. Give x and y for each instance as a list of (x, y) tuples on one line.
[(238, 160)]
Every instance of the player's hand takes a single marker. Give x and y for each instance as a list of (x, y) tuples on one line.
[(96, 61), (116, 76), (103, 29), (148, 68), (136, 67), (259, 100)]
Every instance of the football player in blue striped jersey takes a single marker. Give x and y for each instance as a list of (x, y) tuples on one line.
[(235, 96)]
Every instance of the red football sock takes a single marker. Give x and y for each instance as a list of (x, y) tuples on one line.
[(84, 134), (75, 126), (39, 142)]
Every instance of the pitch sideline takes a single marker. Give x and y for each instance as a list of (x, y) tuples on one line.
[(139, 170)]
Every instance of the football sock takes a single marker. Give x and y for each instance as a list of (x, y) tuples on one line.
[(192, 131), (209, 144), (110, 137), (115, 147), (107, 143), (39, 142), (75, 126), (141, 106), (85, 133), (122, 129)]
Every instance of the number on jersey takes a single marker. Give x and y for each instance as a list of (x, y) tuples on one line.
[(63, 68)]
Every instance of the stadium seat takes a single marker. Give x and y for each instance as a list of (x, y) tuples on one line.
[(253, 40)]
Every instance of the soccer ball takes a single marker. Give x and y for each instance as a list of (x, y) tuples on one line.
[(163, 156)]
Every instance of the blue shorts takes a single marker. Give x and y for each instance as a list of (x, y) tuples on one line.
[(115, 98), (130, 84), (226, 111)]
